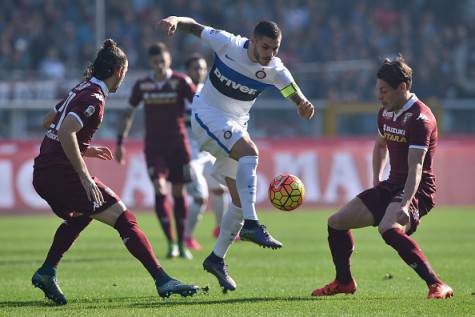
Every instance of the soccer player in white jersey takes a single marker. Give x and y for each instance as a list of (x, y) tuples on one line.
[(243, 68), (203, 186)]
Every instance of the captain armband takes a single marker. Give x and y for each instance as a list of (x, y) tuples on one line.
[(289, 90)]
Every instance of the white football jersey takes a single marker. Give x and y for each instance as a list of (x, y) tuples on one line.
[(234, 82)]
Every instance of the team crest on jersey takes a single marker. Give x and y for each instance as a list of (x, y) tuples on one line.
[(173, 83), (89, 111), (422, 117), (261, 74), (227, 134), (406, 117), (98, 97), (214, 31)]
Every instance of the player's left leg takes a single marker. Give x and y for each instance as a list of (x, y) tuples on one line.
[(392, 228), (245, 152), (45, 277), (197, 190), (230, 226), (180, 209), (139, 246), (219, 201), (163, 210)]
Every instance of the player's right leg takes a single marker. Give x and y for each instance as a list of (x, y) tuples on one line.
[(218, 194), (354, 214), (45, 277), (59, 195), (136, 242)]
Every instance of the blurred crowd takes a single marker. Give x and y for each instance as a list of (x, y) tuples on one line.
[(333, 46)]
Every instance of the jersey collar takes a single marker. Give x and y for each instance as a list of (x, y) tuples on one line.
[(168, 76), (406, 106), (101, 84)]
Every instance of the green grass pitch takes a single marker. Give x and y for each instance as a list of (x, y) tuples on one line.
[(100, 278)]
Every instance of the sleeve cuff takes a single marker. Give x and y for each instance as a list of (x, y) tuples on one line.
[(420, 147), (78, 118)]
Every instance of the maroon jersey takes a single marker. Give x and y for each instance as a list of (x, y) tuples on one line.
[(413, 126), (164, 104), (86, 103)]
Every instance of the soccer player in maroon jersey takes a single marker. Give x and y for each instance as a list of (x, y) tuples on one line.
[(61, 177), (167, 149), (408, 133)]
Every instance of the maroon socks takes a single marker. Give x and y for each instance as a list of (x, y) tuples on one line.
[(163, 209), (137, 243), (341, 246), (409, 251)]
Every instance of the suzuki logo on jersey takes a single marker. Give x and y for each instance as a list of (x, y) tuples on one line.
[(230, 83), (394, 130)]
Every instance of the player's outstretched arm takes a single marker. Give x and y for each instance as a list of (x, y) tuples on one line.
[(172, 24), (304, 107)]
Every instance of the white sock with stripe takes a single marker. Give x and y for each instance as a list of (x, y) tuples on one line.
[(246, 183)]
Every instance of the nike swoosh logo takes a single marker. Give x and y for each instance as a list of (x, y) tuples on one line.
[(230, 58)]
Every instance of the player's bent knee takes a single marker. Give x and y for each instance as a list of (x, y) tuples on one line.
[(383, 227), (403, 218), (335, 221), (161, 187), (111, 214)]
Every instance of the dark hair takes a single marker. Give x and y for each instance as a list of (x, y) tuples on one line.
[(193, 58), (158, 49), (109, 58), (268, 29), (395, 72)]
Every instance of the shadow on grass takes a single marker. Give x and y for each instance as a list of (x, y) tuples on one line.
[(29, 303), (78, 260), (201, 301), (156, 302)]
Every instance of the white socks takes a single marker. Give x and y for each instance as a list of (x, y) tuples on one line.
[(219, 205), (195, 211), (246, 183), (230, 227)]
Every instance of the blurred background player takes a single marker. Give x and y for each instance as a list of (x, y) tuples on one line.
[(243, 68), (61, 176), (203, 185), (167, 150), (408, 132)]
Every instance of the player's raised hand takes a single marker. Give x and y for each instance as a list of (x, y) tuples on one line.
[(100, 152), (306, 109), (120, 154), (92, 191), (169, 25)]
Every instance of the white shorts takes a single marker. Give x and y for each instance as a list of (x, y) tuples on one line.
[(217, 134), (201, 166)]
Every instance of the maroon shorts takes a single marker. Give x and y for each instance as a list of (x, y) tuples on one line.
[(172, 163), (63, 191), (379, 197)]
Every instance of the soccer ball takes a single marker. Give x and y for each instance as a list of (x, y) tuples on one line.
[(286, 192)]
